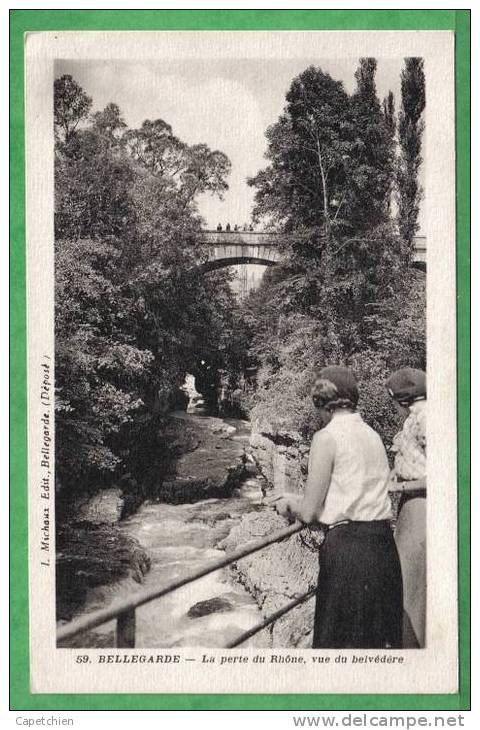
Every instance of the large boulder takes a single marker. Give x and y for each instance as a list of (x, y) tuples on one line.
[(211, 605), (105, 506)]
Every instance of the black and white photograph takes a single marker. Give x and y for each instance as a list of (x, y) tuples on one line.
[(235, 436)]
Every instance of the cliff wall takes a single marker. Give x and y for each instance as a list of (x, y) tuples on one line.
[(279, 573)]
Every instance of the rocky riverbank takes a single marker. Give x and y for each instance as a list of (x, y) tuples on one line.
[(279, 573), (198, 510)]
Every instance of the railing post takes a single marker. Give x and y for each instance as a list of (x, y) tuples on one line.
[(126, 629)]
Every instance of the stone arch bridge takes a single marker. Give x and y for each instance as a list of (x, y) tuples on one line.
[(228, 248)]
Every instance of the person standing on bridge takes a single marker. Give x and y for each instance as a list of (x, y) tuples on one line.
[(408, 388), (359, 591)]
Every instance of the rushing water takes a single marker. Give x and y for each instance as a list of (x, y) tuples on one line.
[(179, 538)]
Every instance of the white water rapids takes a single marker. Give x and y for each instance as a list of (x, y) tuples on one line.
[(209, 612)]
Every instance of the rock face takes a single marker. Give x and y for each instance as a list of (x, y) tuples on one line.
[(282, 457), (91, 554), (91, 551), (210, 460), (283, 571)]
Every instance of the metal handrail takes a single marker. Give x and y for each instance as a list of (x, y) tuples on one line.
[(124, 611), (270, 619)]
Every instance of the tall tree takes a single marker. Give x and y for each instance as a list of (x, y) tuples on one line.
[(389, 113), (389, 116), (110, 124), (187, 170), (371, 165), (205, 171), (307, 149), (71, 105), (155, 147), (410, 133)]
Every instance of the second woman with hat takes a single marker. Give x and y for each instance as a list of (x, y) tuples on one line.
[(408, 388)]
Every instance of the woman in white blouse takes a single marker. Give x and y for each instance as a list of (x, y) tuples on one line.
[(359, 591)]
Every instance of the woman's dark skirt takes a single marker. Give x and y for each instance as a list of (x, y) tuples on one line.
[(359, 594)]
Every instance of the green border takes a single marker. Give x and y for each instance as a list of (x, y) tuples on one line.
[(22, 21)]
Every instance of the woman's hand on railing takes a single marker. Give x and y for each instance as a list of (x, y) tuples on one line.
[(285, 504)]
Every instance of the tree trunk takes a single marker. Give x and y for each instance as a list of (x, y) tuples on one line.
[(326, 212)]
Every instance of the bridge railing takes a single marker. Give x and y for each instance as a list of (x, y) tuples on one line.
[(124, 612), (245, 238)]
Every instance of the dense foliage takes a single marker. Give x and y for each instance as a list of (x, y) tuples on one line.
[(132, 313), (347, 292)]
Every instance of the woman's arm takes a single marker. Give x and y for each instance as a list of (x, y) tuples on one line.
[(411, 485), (320, 465), (397, 484)]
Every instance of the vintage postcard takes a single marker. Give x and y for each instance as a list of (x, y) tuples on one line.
[(241, 285)]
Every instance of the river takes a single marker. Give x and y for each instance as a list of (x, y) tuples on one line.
[(180, 538), (209, 612)]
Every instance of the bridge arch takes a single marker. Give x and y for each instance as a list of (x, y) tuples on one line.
[(221, 263), (230, 248)]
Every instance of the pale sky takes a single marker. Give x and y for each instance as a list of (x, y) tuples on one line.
[(227, 104)]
